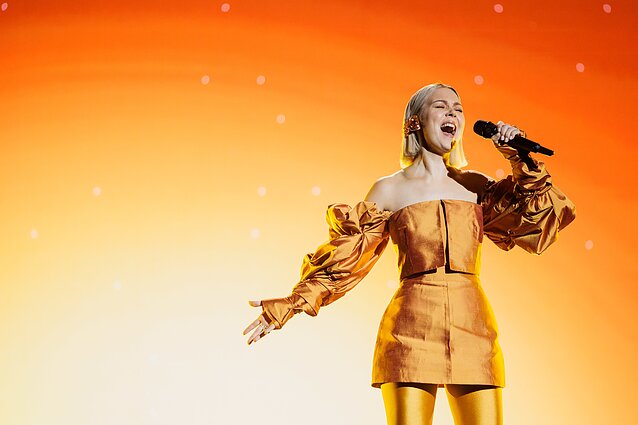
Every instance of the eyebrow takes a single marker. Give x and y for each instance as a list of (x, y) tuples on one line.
[(445, 101)]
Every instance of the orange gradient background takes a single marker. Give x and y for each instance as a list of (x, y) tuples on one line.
[(151, 186)]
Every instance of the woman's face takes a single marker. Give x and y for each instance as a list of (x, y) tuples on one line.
[(442, 120)]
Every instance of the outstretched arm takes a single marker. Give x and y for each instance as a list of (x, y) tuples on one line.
[(357, 238)]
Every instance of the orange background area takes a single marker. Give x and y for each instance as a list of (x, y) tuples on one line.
[(135, 140)]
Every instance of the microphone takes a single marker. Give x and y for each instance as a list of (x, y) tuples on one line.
[(487, 129)]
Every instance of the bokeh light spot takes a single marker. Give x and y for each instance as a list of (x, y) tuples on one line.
[(205, 79), (606, 8), (498, 8), (478, 80), (580, 67), (34, 234), (589, 244), (281, 118), (261, 80), (4, 6), (153, 359), (97, 191), (261, 191), (316, 190), (500, 173), (117, 285), (225, 7), (255, 233)]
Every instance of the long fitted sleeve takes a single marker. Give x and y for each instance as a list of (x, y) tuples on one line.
[(525, 208), (357, 238)]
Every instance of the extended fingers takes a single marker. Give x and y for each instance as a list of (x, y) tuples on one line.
[(252, 326), (261, 331), (255, 336)]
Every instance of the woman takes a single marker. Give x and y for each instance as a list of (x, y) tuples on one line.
[(439, 329)]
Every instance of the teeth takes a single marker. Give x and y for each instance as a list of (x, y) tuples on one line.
[(449, 124)]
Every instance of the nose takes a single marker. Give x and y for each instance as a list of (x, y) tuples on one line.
[(451, 112)]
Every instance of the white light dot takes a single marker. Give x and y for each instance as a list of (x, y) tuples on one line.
[(478, 80), (4, 6), (205, 79), (281, 118), (589, 244), (261, 191), (153, 359), (606, 8), (97, 191), (391, 284), (498, 8), (261, 80), (580, 67), (225, 7), (254, 233), (316, 190), (500, 173), (117, 285), (34, 234)]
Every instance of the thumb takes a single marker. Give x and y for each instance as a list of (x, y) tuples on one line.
[(254, 303)]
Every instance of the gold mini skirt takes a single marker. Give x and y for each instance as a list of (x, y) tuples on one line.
[(439, 328)]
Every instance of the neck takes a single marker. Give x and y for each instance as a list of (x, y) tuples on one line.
[(429, 165)]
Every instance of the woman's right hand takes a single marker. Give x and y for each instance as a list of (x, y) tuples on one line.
[(261, 325)]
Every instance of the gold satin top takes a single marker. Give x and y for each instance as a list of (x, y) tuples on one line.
[(523, 209), (429, 234)]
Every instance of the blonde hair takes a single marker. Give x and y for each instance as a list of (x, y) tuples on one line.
[(412, 143)]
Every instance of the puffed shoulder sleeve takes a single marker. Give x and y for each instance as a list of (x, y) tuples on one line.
[(357, 238), (525, 208)]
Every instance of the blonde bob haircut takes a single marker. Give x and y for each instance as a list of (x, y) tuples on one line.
[(412, 143)]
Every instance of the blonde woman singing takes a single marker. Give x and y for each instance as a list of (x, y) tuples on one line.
[(439, 329)]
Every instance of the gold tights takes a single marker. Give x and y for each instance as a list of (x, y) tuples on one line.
[(410, 403)]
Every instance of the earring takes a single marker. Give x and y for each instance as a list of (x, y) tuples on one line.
[(411, 125)]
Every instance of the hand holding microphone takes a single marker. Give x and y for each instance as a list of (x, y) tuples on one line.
[(505, 134)]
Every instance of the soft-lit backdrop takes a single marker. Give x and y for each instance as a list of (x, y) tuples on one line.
[(163, 162)]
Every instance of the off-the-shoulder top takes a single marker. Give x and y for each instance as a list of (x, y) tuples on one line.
[(523, 209)]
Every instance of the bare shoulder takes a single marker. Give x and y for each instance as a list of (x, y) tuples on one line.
[(382, 190)]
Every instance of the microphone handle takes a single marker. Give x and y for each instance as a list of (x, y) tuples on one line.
[(522, 143)]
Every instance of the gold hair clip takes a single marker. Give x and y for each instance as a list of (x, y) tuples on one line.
[(411, 125)]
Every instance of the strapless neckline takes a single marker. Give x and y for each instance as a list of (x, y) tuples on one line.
[(393, 213)]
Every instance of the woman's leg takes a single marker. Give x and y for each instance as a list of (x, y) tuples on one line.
[(475, 404), (409, 403)]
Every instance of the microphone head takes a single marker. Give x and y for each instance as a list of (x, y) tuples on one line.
[(485, 128)]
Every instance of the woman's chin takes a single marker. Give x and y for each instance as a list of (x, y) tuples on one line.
[(447, 147)]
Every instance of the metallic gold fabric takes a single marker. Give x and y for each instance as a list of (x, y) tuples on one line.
[(428, 234), (439, 327), (472, 406), (357, 237), (413, 403), (525, 209), (409, 403)]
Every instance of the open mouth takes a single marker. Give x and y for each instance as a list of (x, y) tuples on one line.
[(448, 128)]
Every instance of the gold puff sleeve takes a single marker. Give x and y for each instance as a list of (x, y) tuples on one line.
[(357, 238), (525, 208)]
